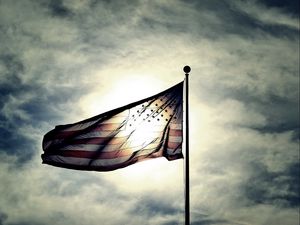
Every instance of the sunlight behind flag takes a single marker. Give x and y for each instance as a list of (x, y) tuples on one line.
[(125, 90), (146, 129)]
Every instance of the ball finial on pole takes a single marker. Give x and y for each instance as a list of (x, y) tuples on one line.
[(187, 69)]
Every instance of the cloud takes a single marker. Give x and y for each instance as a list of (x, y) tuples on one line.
[(63, 61)]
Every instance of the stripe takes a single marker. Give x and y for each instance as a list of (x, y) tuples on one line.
[(96, 141), (119, 118), (84, 157), (103, 130), (99, 154), (96, 166), (105, 134), (173, 145), (92, 155), (176, 126), (79, 164), (110, 147), (66, 134), (173, 132), (125, 143), (99, 141), (173, 152), (105, 141), (92, 147), (84, 161), (175, 139), (95, 134)]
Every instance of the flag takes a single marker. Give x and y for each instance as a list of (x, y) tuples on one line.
[(145, 129)]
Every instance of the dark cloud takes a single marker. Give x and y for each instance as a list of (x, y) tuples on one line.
[(26, 222), (154, 205), (3, 217), (231, 20), (291, 6), (57, 8), (276, 188), (13, 65), (209, 222), (273, 107), (202, 219)]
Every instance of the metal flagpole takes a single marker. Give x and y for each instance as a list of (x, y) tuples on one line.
[(187, 69)]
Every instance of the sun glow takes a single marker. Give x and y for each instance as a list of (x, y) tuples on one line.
[(118, 92), (115, 92)]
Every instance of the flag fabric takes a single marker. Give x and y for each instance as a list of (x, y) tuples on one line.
[(145, 129)]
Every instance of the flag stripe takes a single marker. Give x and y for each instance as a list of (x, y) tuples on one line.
[(173, 145), (116, 119), (103, 138), (101, 127), (174, 152), (93, 154), (75, 157), (110, 148), (85, 161), (84, 165), (106, 155), (99, 140), (175, 132), (103, 133), (98, 131)]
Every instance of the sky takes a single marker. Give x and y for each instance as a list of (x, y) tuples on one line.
[(63, 61)]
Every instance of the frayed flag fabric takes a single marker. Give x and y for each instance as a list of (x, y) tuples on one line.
[(146, 129)]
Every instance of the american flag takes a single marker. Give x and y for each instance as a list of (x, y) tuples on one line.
[(145, 129)]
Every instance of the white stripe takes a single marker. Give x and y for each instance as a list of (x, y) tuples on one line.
[(95, 134), (105, 148), (176, 126), (122, 133), (79, 126), (144, 152), (104, 134), (97, 162), (91, 147), (115, 119), (111, 147), (175, 139), (53, 142), (172, 152)]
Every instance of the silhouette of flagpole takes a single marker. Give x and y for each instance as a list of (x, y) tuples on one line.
[(187, 69)]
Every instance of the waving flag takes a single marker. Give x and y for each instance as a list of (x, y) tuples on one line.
[(146, 129)]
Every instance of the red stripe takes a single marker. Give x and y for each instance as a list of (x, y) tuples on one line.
[(91, 154), (103, 155), (112, 167), (95, 141), (97, 154), (174, 132), (66, 134), (99, 141), (174, 145)]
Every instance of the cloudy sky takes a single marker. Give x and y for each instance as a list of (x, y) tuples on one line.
[(66, 60)]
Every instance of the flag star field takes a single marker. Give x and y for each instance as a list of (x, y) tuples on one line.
[(84, 101)]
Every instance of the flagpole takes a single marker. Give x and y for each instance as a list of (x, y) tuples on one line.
[(187, 69)]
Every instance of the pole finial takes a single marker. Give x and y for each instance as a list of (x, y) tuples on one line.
[(187, 69)]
